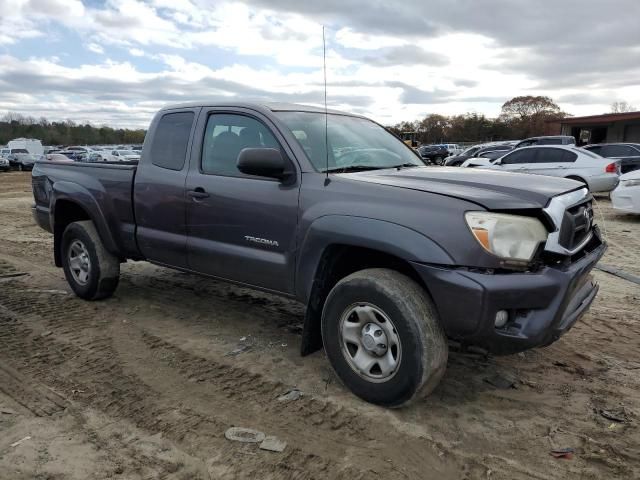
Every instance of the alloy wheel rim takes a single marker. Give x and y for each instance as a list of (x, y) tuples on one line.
[(370, 342), (79, 262)]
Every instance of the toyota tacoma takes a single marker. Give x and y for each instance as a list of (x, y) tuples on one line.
[(393, 260)]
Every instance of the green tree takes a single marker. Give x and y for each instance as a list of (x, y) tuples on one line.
[(526, 115)]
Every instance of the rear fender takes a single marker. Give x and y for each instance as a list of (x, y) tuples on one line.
[(80, 196)]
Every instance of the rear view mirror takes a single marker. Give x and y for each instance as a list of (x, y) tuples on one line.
[(263, 162)]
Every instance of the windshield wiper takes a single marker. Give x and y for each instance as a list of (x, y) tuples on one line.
[(404, 165), (352, 168)]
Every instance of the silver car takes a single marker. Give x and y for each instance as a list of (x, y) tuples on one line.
[(598, 173)]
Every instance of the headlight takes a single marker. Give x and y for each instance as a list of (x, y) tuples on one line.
[(631, 183), (512, 237)]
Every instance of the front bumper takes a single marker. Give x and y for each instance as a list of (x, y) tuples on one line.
[(542, 306)]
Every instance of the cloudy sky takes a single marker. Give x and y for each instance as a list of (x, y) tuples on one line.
[(116, 61)]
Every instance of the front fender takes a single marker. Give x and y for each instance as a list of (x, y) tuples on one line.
[(387, 237)]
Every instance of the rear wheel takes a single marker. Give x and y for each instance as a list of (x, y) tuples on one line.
[(437, 160), (91, 271), (383, 338)]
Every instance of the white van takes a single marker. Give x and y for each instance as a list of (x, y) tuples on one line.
[(29, 144)]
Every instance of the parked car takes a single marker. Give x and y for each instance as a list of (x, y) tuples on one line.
[(5, 166), (57, 157), (71, 154), (627, 153), (597, 173), (433, 153), (357, 235), (126, 155), (80, 149), (23, 161), (626, 197), (546, 140), (476, 151), (99, 156), (491, 154), (453, 148)]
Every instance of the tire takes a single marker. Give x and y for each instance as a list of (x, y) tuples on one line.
[(80, 241), (403, 310), (20, 168), (437, 160)]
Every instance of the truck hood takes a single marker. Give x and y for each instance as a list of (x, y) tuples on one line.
[(491, 189)]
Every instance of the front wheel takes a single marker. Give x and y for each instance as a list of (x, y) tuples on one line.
[(383, 338), (91, 271), (438, 160)]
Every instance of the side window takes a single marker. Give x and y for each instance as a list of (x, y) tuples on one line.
[(569, 157), (519, 156), (225, 136), (617, 151), (555, 155), (169, 147)]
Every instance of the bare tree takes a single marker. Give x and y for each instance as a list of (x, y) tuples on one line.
[(622, 107)]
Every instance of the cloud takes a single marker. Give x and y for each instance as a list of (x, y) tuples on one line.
[(406, 55), (95, 48), (385, 60)]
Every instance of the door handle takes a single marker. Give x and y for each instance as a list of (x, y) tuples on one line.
[(197, 193)]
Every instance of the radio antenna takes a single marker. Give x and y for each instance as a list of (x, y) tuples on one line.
[(326, 115)]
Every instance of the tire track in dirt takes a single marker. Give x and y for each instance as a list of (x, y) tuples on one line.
[(78, 357)]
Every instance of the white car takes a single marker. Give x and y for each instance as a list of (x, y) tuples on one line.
[(126, 155), (626, 197), (598, 173)]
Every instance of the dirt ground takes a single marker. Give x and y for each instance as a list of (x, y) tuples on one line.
[(143, 385)]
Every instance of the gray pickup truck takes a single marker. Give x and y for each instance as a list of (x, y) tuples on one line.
[(393, 260)]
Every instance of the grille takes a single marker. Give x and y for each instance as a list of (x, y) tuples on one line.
[(577, 223)]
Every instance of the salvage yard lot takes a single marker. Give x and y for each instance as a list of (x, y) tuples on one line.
[(145, 384)]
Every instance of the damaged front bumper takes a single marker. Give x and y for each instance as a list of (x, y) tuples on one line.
[(541, 305)]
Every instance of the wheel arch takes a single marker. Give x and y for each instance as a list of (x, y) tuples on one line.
[(578, 178), (350, 244), (71, 203)]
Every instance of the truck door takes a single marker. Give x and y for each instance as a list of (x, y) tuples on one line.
[(240, 227), (159, 193)]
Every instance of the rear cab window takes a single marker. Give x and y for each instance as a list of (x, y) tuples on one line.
[(170, 141)]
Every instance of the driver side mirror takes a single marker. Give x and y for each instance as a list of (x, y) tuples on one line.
[(262, 162)]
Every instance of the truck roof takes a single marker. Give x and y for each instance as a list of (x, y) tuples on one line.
[(259, 106)]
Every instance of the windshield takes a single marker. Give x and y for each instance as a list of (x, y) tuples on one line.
[(19, 150), (470, 151), (353, 142), (126, 152)]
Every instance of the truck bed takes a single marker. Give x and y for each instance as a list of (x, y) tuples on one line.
[(105, 189)]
